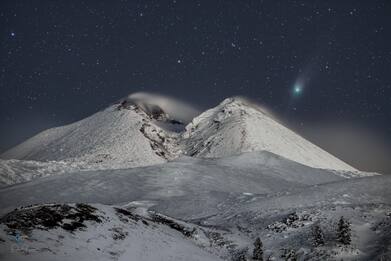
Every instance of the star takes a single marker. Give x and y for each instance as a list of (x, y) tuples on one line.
[(12, 34)]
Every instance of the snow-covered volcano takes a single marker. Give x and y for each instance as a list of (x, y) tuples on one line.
[(136, 132), (234, 174), (236, 126), (126, 134)]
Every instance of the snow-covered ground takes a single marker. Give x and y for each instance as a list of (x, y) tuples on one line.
[(17, 171), (201, 181), (232, 200), (108, 233), (133, 183)]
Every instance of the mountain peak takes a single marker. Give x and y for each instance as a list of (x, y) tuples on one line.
[(142, 130), (153, 111), (238, 125), (242, 103), (235, 101), (159, 106)]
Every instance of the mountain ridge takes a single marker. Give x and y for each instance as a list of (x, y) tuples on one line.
[(237, 125), (131, 133)]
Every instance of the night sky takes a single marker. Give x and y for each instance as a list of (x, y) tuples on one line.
[(323, 67)]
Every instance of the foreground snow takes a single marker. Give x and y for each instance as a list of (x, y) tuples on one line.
[(113, 234), (140, 234), (221, 206)]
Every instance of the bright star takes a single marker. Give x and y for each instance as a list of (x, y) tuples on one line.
[(12, 34)]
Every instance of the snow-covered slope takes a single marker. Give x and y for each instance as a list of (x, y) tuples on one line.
[(131, 133), (123, 135), (200, 182), (223, 203), (96, 232), (17, 171), (237, 126)]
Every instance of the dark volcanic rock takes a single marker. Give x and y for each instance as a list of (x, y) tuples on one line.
[(47, 217)]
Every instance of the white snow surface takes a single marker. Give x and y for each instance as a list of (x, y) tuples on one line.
[(111, 138), (237, 126), (116, 238), (255, 172), (131, 135), (229, 201), (18, 171)]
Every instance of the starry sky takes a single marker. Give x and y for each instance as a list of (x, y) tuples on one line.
[(323, 67)]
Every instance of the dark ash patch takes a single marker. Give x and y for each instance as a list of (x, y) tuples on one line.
[(172, 224), (47, 217), (118, 233), (123, 213)]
